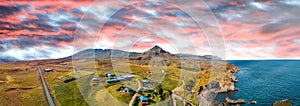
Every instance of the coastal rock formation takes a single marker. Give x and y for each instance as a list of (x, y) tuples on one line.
[(286, 102), (239, 101), (253, 102), (227, 84), (231, 68)]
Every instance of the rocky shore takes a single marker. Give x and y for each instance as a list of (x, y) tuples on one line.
[(230, 101), (223, 85), (228, 82), (286, 102)]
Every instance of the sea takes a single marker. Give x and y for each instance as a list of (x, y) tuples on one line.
[(266, 81)]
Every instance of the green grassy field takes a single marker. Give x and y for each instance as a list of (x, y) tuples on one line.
[(23, 86), (65, 93), (20, 85)]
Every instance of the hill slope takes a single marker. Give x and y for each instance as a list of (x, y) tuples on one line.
[(155, 51)]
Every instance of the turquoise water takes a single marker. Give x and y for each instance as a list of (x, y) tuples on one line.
[(267, 81)]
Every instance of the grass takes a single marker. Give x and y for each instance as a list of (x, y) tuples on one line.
[(120, 96), (65, 94), (69, 94), (166, 102), (106, 99), (20, 86), (33, 97)]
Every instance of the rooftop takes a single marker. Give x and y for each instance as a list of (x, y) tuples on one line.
[(146, 88), (145, 80), (127, 89), (143, 98), (112, 80)]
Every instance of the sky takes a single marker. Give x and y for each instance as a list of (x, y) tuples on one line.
[(231, 29)]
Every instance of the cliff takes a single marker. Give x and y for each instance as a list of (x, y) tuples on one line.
[(228, 82)]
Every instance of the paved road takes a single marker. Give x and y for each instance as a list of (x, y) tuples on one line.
[(136, 94), (175, 96), (46, 89)]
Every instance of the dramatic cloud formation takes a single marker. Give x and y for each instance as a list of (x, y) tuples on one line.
[(252, 29)]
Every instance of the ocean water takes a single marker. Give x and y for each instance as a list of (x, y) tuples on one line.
[(266, 81)]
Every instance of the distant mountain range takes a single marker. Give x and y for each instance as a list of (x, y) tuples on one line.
[(155, 51), (5, 59)]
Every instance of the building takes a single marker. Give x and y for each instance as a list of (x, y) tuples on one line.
[(147, 89), (69, 79), (146, 81), (63, 63), (125, 77), (124, 89), (16, 69), (112, 80), (144, 100), (96, 79), (129, 76), (127, 89), (107, 74), (48, 70), (112, 76), (148, 72)]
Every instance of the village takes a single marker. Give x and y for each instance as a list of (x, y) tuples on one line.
[(141, 85), (145, 94), (147, 91)]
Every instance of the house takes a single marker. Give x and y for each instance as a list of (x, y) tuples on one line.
[(146, 81), (129, 76), (112, 80), (107, 74), (148, 72), (96, 79), (144, 100), (48, 70), (127, 89), (124, 89), (146, 89), (125, 77), (63, 63), (16, 69), (112, 76), (69, 79)]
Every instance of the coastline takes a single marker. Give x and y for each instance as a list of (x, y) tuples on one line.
[(228, 82), (261, 79), (228, 85), (225, 84)]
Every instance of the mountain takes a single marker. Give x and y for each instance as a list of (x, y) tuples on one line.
[(155, 51), (6, 59), (96, 53)]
